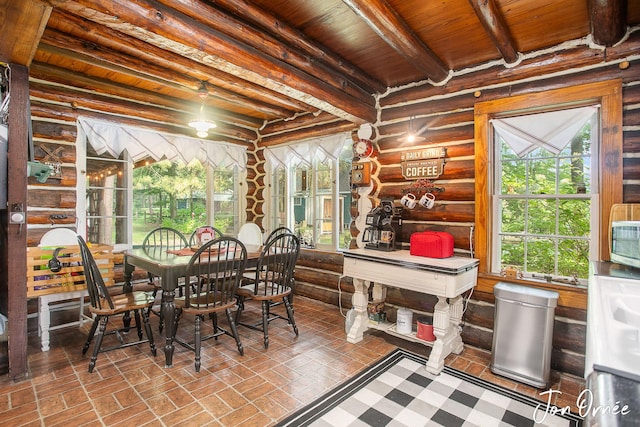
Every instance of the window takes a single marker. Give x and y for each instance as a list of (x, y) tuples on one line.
[(504, 210), (196, 184), (543, 196), (184, 197), (108, 184), (224, 206), (311, 194)]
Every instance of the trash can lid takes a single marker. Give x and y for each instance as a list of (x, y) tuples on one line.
[(526, 294)]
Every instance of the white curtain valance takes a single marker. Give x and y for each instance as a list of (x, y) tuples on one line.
[(306, 151), (551, 131), (114, 138)]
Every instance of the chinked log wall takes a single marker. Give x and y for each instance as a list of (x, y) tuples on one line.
[(448, 112)]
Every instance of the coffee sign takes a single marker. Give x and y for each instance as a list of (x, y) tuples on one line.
[(425, 163)]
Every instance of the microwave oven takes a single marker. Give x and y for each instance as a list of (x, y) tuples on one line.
[(625, 243)]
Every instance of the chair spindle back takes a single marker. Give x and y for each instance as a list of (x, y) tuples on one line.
[(277, 264), (217, 268), (98, 292)]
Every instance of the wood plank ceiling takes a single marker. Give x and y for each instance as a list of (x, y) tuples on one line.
[(272, 65)]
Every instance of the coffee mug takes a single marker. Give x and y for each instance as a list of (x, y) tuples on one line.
[(427, 200), (409, 200)]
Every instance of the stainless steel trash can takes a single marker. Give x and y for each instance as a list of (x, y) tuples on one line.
[(523, 333)]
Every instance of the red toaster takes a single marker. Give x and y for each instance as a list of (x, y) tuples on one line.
[(432, 244)]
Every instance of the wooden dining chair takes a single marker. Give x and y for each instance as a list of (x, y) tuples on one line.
[(165, 238), (215, 271), (249, 276), (271, 283), (104, 306), (276, 232)]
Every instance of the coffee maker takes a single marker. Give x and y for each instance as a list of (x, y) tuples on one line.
[(384, 227)]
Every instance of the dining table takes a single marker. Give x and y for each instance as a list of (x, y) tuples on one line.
[(170, 266)]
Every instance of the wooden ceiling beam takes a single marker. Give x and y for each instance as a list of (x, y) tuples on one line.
[(391, 28), (303, 121), (101, 57), (62, 76), (298, 134), (88, 101), (608, 20), (161, 26), (239, 30), (21, 26), (103, 36), (494, 24), (298, 39), (44, 110), (157, 83)]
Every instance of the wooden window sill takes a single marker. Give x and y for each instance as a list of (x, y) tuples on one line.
[(570, 295)]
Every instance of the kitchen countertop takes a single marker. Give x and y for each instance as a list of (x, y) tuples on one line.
[(612, 359), (613, 318)]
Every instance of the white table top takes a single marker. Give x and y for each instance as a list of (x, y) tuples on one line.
[(451, 265)]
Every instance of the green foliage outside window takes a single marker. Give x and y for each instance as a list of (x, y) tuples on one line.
[(174, 195), (545, 209)]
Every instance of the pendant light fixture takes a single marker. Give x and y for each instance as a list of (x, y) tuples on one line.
[(201, 124), (411, 135)]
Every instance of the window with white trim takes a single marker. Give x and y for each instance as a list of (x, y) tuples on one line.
[(545, 199), (310, 190), (224, 205), (195, 175), (108, 183)]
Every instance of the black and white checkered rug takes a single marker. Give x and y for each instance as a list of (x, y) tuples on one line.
[(398, 391)]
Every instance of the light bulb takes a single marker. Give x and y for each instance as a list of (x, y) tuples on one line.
[(202, 127)]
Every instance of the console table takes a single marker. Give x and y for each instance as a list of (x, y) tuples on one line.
[(446, 278)]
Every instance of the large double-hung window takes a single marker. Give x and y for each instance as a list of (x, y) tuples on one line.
[(548, 171), (544, 192)]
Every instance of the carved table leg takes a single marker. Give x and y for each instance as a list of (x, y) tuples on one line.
[(455, 319), (168, 308), (128, 274), (359, 301), (441, 329), (126, 288), (447, 316)]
